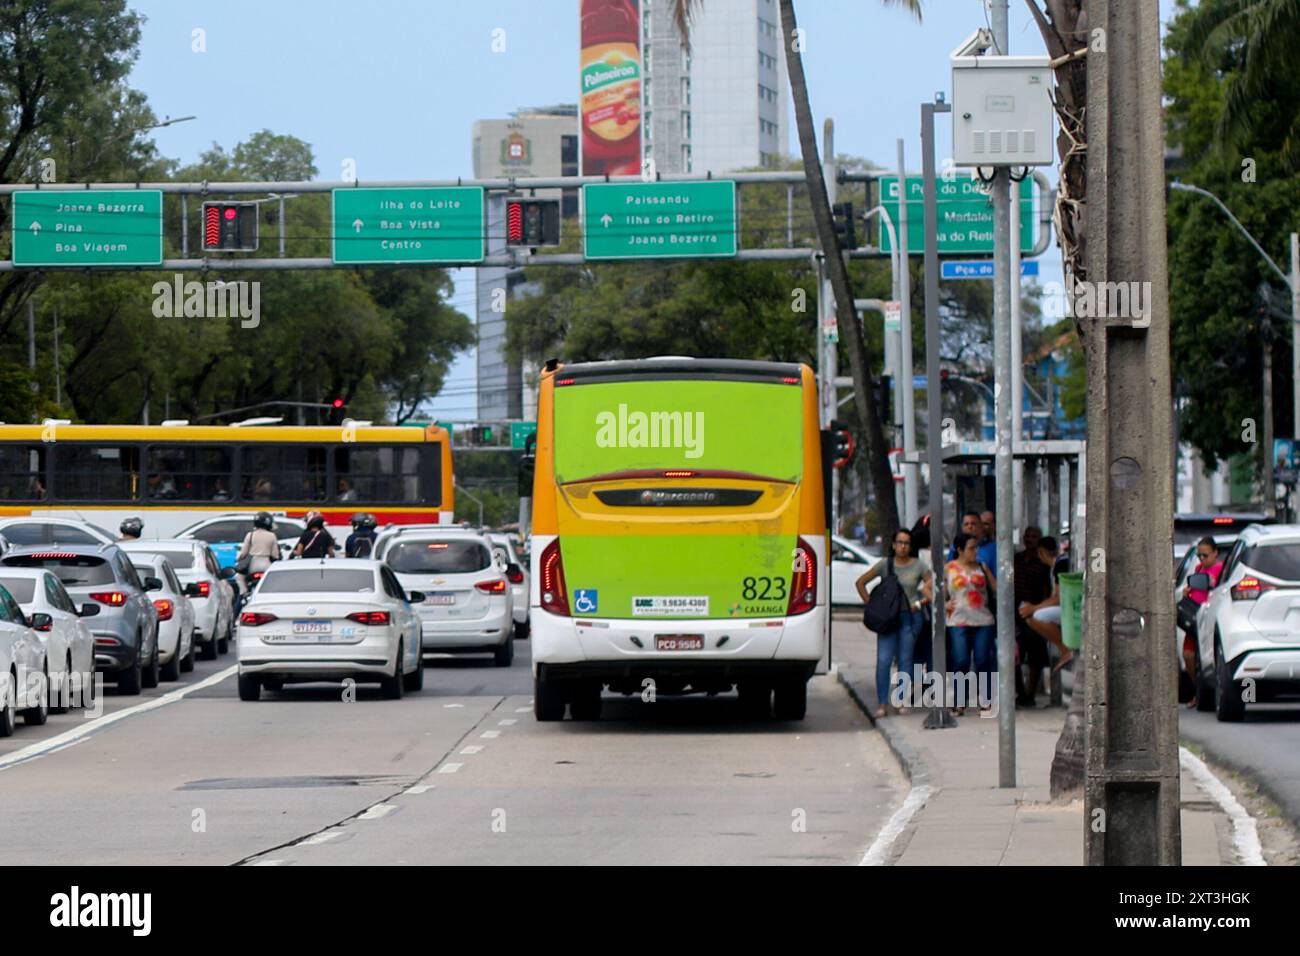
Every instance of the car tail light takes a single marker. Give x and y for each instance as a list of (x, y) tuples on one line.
[(377, 618), (107, 642), (803, 585), (205, 588), (554, 598), (495, 586), (516, 576), (59, 555), (1249, 589), (256, 618), (47, 626), (165, 608), (111, 598), (257, 575)]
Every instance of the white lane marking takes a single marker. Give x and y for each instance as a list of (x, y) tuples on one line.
[(377, 811), (1245, 834), (269, 863), (453, 705), (508, 722), (99, 723), (522, 710), (449, 768), (490, 734), (472, 749), (419, 788), (878, 852), (319, 838)]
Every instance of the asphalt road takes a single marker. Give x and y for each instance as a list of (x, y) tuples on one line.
[(458, 773), (1264, 746)]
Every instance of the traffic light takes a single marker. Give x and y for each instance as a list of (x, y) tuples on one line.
[(844, 225), (532, 222), (883, 394), (844, 446), (338, 411), (229, 226)]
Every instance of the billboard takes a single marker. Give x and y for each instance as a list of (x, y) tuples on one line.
[(609, 40)]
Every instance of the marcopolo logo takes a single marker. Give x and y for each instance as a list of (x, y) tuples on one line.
[(208, 300), (75, 909), (635, 429)]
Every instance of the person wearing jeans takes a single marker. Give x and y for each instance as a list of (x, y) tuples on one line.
[(970, 621), (899, 642)]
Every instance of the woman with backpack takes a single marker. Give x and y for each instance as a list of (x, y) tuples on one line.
[(896, 607)]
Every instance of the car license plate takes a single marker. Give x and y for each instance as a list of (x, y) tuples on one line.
[(679, 642), (312, 627), (440, 599)]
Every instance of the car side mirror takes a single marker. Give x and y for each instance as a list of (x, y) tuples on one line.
[(152, 584), (88, 610), (415, 597), (40, 621), (1199, 581), (193, 590)]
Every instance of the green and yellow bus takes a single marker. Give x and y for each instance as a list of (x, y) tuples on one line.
[(680, 534)]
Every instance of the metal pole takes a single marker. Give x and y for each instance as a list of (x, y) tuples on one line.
[(280, 223), (1270, 484), (1131, 800), (938, 716), (58, 363), (31, 336), (906, 394), (1017, 371), (185, 226), (1295, 335), (1006, 693)]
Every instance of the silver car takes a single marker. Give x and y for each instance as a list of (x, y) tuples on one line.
[(214, 604), (60, 625), (516, 576), (175, 613)]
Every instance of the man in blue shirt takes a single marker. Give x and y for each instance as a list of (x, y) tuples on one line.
[(988, 552)]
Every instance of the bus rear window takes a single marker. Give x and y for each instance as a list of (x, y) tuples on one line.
[(687, 424)]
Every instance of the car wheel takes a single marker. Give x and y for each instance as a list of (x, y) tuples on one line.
[(1229, 707), (129, 680), (521, 631), (1205, 689), (208, 650), (38, 715), (61, 696), (790, 699), (8, 715), (172, 669), (223, 645), (392, 685), (151, 673), (585, 702), (755, 699), (88, 690), (250, 687), (548, 699), (504, 655), (415, 680), (187, 662)]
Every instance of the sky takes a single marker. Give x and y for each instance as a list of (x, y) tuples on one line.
[(395, 85)]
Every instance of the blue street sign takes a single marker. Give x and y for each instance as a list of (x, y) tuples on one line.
[(980, 268)]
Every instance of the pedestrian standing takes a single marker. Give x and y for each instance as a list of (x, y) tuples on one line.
[(899, 642), (970, 586)]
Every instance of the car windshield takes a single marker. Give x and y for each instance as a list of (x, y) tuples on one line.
[(74, 570), (351, 580), (23, 589), (1276, 560), (25, 534), (438, 557)]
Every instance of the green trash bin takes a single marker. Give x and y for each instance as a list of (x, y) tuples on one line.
[(1072, 609)]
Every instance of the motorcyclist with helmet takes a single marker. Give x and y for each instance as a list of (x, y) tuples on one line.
[(361, 542), (259, 548), (131, 529), (315, 542)]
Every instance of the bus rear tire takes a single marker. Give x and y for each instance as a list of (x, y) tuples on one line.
[(755, 699), (790, 699), (548, 699), (585, 703)]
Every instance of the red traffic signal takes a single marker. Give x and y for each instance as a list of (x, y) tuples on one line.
[(337, 403), (532, 222), (230, 227)]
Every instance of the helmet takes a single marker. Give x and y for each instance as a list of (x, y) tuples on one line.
[(314, 519), (264, 520), (132, 527), (364, 519)]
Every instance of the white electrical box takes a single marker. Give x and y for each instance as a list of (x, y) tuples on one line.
[(1002, 112)]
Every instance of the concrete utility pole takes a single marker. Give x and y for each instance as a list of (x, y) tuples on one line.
[(1002, 376), (1131, 782), (906, 394)]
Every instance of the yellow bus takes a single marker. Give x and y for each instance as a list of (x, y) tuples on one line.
[(680, 534), (176, 475)]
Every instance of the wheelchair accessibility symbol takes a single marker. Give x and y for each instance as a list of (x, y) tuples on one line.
[(586, 602)]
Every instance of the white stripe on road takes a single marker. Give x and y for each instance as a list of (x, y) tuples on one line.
[(522, 710), (377, 811), (490, 734), (472, 749), (99, 723), (449, 768), (319, 838), (1245, 835), (508, 722), (878, 852), (453, 705), (419, 788), (269, 863)]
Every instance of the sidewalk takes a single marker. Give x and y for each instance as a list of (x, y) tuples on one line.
[(967, 819)]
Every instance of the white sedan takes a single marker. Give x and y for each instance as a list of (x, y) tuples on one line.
[(849, 561), (24, 677), (517, 575), (56, 619), (175, 612), (329, 620)]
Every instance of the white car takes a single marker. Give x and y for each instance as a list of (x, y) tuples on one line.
[(392, 532), (57, 621), (1248, 632), (33, 531), (466, 605), (329, 620), (849, 561), (24, 677), (175, 612), (503, 545), (214, 604)]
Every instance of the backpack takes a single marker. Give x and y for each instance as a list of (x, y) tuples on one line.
[(363, 552), (886, 603)]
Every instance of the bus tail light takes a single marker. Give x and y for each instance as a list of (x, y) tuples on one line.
[(165, 608), (111, 598), (554, 598), (803, 586)]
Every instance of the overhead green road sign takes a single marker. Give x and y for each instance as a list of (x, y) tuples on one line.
[(519, 432), (965, 216), (419, 224), (659, 220), (91, 227)]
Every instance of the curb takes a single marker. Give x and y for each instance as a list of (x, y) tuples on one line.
[(1282, 801), (914, 767)]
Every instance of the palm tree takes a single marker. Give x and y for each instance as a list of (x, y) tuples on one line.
[(860, 360)]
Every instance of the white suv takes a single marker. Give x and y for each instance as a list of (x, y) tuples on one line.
[(1249, 630)]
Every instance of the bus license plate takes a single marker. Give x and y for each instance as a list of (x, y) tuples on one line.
[(312, 627), (679, 642)]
